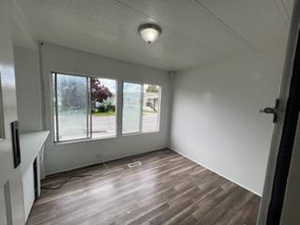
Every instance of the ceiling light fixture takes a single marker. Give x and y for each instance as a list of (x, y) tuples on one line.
[(150, 32)]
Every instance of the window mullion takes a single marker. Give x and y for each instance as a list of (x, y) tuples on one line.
[(142, 104), (56, 107), (119, 107), (90, 98), (89, 124)]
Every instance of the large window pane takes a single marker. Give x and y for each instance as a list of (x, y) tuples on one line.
[(103, 103), (72, 107), (151, 108), (131, 107)]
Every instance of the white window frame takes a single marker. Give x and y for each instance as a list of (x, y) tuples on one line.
[(159, 109), (116, 109), (119, 109), (141, 108), (55, 125)]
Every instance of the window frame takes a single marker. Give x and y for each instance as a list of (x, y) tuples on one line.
[(56, 127), (119, 108), (141, 108), (116, 108), (159, 111), (54, 113)]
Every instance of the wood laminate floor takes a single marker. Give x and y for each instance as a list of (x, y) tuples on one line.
[(166, 189)]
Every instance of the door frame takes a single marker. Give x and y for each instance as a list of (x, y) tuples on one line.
[(271, 206)]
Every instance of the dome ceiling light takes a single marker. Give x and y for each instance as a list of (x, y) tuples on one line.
[(150, 32)]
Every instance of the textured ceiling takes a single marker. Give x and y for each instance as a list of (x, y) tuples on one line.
[(195, 32)]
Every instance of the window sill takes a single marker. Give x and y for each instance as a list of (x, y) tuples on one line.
[(151, 132), (84, 140), (139, 133), (79, 141)]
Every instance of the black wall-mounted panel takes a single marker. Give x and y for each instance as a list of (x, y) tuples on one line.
[(16, 143)]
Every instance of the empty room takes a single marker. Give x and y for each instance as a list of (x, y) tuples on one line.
[(149, 112)]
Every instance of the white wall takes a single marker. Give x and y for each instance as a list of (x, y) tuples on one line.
[(60, 157), (28, 84), (11, 206), (216, 119)]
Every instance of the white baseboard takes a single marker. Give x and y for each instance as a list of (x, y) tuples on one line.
[(201, 164)]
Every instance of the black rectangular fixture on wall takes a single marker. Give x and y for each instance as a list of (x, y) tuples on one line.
[(16, 143)]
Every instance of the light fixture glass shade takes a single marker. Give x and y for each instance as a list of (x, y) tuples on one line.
[(149, 32)]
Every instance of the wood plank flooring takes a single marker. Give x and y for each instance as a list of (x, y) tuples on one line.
[(166, 189)]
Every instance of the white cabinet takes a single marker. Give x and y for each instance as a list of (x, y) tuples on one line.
[(32, 150), (28, 190)]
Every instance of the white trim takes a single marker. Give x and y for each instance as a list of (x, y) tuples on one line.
[(82, 140), (142, 108), (2, 121), (201, 164)]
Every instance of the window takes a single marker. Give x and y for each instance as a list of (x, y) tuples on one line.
[(132, 101), (141, 108), (71, 106), (103, 100), (84, 107), (151, 108)]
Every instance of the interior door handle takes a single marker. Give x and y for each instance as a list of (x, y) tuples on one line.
[(273, 111), (268, 110)]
